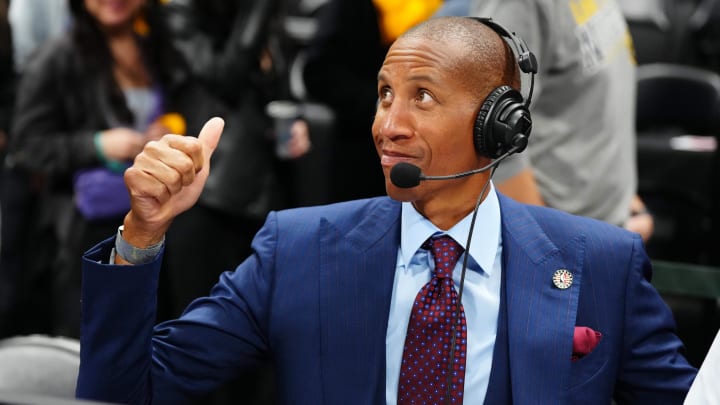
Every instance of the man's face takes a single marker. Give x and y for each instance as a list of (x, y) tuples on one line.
[(425, 116)]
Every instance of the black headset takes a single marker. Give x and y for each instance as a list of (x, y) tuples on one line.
[(503, 123)]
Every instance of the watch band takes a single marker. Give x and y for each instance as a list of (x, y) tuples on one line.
[(135, 255)]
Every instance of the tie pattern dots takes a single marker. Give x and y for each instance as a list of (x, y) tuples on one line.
[(425, 363)]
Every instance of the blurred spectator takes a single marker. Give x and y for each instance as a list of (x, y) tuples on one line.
[(679, 31), (7, 78), (581, 154), (226, 44), (453, 7), (31, 23), (86, 104), (34, 22), (341, 71), (7, 84), (645, 10)]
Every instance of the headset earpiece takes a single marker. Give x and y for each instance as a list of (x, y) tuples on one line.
[(504, 121)]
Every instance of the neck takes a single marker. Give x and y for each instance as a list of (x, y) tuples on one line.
[(118, 32), (123, 46), (129, 67), (121, 38), (451, 206)]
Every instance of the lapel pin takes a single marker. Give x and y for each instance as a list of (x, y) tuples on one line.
[(562, 279)]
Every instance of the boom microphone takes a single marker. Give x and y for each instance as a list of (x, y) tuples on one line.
[(407, 175)]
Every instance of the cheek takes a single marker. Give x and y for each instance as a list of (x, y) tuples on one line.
[(91, 6), (115, 13), (458, 131), (456, 148), (376, 127), (464, 126)]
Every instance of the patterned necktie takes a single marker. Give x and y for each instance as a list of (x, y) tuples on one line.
[(423, 373)]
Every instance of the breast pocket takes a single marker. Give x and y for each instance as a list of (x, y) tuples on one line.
[(589, 367)]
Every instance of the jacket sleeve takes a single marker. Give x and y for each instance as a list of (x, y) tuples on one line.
[(125, 359), (653, 369)]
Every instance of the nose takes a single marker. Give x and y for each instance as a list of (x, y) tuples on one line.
[(393, 121)]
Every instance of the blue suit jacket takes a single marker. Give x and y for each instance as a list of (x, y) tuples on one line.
[(314, 298)]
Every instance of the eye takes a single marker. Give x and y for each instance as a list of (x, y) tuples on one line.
[(384, 94), (424, 96)]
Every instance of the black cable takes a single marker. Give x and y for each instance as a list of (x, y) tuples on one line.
[(448, 395)]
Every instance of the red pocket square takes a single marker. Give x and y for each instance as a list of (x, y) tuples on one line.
[(584, 341)]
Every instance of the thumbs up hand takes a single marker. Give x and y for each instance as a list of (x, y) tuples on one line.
[(165, 180)]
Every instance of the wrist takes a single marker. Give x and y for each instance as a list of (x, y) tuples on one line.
[(140, 233), (113, 165), (127, 253)]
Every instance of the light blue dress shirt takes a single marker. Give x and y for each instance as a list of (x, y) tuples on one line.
[(481, 294)]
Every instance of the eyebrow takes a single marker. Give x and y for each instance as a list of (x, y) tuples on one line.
[(414, 78)]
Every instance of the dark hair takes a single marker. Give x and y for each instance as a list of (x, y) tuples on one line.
[(158, 51)]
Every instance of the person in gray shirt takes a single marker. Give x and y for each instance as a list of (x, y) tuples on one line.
[(581, 154), (33, 22)]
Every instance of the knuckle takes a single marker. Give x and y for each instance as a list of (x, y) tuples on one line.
[(152, 146), (185, 166), (175, 178), (194, 147)]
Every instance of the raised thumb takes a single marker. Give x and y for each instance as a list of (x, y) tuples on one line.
[(211, 132)]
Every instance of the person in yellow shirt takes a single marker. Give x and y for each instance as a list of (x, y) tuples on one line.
[(397, 16)]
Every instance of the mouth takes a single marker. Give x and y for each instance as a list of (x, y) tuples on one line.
[(390, 158)]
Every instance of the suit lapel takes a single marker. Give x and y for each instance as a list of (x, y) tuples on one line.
[(356, 277), (541, 317)]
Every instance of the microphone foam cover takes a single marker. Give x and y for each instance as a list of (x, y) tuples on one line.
[(405, 175)]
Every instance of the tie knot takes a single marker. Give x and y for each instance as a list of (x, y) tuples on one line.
[(445, 252)]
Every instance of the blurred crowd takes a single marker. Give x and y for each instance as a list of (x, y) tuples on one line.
[(85, 84)]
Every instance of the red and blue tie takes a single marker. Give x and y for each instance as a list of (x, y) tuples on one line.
[(425, 363)]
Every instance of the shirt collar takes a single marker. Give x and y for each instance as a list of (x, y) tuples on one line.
[(415, 229)]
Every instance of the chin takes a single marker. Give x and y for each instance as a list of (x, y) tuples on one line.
[(400, 194), (116, 22)]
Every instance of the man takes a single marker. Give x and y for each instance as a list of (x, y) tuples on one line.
[(581, 157), (556, 309)]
